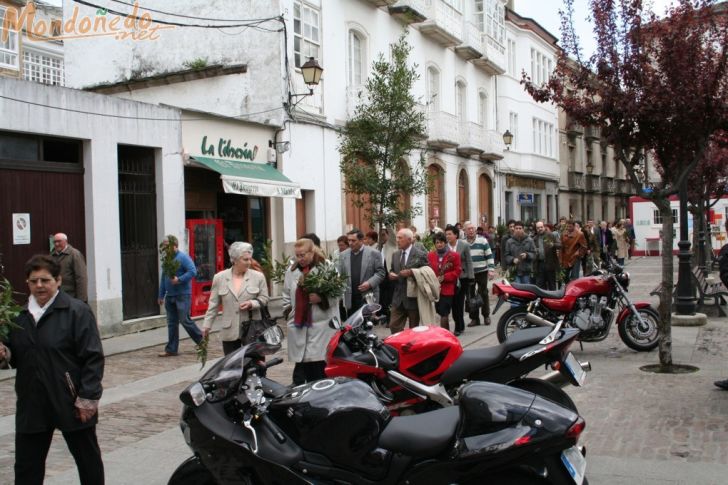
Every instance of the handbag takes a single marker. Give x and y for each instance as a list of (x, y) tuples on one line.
[(263, 330)]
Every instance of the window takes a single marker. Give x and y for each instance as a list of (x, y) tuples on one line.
[(479, 18), (657, 217), (456, 4), (356, 58), (541, 67), (42, 68), (513, 127), (9, 47), (460, 100), (306, 33), (433, 88), (495, 23), (483, 109), (543, 138), (512, 57)]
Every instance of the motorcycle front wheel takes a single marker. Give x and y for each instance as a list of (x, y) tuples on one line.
[(512, 320), (192, 472), (641, 339)]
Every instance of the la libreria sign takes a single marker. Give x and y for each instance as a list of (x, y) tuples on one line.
[(226, 149)]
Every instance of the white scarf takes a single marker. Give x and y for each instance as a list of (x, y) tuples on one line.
[(38, 311)]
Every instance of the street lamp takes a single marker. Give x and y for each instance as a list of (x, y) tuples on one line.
[(685, 298), (508, 139), (311, 72)]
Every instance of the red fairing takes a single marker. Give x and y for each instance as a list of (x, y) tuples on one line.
[(590, 285), (425, 352), (625, 311), (336, 366)]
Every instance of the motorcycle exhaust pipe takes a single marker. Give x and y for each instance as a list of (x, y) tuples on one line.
[(558, 379), (536, 320)]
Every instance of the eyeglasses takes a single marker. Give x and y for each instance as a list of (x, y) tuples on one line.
[(301, 255), (43, 281)]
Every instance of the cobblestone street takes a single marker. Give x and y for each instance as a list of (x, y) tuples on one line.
[(641, 427)]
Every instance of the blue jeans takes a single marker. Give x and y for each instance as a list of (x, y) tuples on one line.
[(523, 279), (178, 312), (574, 272)]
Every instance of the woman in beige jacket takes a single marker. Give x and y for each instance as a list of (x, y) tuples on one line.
[(241, 291)]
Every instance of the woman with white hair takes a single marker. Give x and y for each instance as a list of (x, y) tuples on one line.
[(241, 291)]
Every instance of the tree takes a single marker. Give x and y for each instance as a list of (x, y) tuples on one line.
[(654, 86), (376, 143)]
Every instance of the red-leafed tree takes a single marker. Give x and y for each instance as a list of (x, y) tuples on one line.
[(706, 185), (655, 86)]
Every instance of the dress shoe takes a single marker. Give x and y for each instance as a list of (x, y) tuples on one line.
[(487, 321), (167, 354), (722, 384), (474, 323), (458, 333)]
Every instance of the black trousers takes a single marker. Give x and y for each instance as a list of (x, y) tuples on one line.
[(31, 450), (458, 305), (304, 372)]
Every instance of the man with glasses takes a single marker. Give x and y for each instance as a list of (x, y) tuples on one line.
[(74, 280)]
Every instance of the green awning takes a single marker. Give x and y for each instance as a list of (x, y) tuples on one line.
[(251, 178)]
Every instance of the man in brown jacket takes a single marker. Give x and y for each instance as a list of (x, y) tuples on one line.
[(573, 248), (74, 281)]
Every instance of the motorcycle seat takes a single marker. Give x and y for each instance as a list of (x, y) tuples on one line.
[(472, 361), (540, 292), (421, 435)]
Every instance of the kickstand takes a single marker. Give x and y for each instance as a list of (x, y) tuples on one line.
[(581, 345)]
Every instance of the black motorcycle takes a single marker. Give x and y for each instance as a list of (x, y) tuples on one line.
[(246, 429)]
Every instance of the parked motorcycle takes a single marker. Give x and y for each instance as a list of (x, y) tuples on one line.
[(421, 368), (591, 304), (246, 429)]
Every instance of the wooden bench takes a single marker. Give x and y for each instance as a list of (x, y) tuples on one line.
[(710, 290)]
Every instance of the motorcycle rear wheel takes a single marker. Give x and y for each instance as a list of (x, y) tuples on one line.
[(545, 389), (512, 320), (192, 472), (634, 338)]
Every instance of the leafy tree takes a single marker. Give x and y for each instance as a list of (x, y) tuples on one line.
[(375, 144), (654, 86)]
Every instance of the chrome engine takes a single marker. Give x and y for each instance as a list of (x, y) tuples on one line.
[(588, 313)]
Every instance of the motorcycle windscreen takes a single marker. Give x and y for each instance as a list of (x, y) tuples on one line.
[(224, 377)]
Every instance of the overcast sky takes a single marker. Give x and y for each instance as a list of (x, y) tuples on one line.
[(546, 13)]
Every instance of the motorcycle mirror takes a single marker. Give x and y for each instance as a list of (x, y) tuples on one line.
[(334, 323)]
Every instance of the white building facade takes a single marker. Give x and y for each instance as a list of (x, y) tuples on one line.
[(528, 175)]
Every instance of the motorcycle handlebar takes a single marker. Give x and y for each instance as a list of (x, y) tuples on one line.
[(272, 362)]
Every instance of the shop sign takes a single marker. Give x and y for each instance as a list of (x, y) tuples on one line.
[(233, 186), (528, 183), (226, 149), (525, 199)]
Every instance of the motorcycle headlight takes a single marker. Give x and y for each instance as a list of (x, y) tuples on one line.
[(624, 279)]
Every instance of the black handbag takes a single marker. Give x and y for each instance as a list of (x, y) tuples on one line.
[(263, 330)]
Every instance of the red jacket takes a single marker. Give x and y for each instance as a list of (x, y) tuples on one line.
[(449, 268)]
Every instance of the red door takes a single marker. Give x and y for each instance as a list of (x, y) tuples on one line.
[(206, 250)]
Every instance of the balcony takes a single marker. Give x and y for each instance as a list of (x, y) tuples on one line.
[(442, 130), (592, 133), (494, 146), (576, 180), (409, 11), (625, 187), (444, 24), (355, 95), (471, 138), (472, 46), (494, 56), (382, 3), (592, 183), (607, 185), (572, 127)]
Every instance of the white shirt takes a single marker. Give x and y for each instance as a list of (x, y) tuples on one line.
[(406, 253), (38, 311)]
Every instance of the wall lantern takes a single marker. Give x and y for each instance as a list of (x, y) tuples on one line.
[(508, 139), (311, 72)]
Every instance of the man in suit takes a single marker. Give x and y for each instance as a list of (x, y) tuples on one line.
[(388, 247), (452, 234), (363, 266), (408, 256), (605, 240)]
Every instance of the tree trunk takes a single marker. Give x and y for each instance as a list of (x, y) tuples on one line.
[(665, 309)]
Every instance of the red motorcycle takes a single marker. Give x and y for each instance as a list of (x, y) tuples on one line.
[(591, 304), (420, 369)]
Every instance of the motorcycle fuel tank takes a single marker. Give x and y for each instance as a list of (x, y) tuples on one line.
[(425, 352), (590, 285), (340, 418)]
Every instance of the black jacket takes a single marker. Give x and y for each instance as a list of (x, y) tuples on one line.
[(723, 264), (66, 340)]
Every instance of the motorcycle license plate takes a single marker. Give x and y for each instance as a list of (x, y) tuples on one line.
[(575, 464), (575, 369)]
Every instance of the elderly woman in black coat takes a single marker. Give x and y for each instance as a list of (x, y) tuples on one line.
[(60, 363)]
